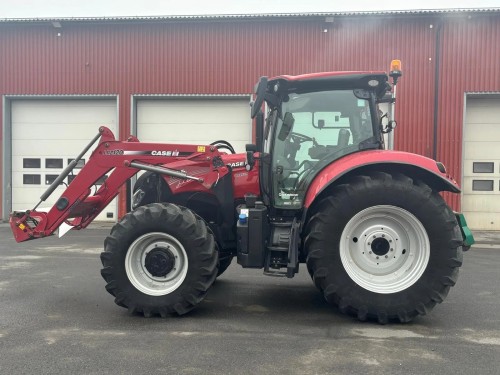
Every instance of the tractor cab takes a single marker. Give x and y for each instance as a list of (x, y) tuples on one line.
[(313, 120)]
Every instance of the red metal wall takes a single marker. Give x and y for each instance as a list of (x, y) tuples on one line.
[(228, 56), (470, 62)]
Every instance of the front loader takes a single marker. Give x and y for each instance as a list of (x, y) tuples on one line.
[(317, 187)]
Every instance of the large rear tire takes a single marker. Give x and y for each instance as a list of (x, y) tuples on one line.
[(159, 259), (383, 247)]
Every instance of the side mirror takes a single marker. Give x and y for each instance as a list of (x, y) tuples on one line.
[(386, 125), (286, 127), (250, 162)]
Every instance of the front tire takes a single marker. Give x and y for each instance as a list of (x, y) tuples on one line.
[(383, 247), (159, 259), (225, 259)]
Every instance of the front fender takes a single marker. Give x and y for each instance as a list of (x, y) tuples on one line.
[(413, 165)]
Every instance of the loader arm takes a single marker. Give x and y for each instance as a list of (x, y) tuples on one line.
[(77, 207)]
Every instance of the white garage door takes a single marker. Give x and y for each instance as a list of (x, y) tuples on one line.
[(46, 136), (481, 184), (195, 121)]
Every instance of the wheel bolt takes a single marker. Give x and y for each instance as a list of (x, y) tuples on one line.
[(377, 257), (370, 252), (383, 235), (374, 236), (392, 249), (390, 241), (386, 256), (369, 243)]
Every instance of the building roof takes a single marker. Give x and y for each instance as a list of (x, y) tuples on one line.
[(255, 16)]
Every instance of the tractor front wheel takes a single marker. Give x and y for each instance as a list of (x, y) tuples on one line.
[(383, 247), (159, 259)]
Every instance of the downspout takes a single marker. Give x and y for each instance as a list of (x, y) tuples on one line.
[(436, 90)]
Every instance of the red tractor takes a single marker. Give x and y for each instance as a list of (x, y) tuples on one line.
[(317, 187)]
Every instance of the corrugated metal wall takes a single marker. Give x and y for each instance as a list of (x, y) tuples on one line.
[(228, 56), (470, 62)]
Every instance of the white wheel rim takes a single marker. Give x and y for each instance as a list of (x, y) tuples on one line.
[(384, 249), (138, 274)]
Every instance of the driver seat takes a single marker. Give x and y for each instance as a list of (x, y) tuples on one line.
[(344, 136)]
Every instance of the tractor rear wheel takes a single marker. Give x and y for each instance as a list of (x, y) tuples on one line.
[(383, 247), (159, 259)]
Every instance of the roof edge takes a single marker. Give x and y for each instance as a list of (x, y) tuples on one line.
[(255, 16)]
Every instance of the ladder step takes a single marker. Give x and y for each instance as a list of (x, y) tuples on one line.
[(275, 273), (277, 248)]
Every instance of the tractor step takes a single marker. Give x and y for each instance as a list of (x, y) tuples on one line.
[(275, 273), (284, 253)]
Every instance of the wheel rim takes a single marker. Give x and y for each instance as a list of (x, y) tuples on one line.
[(156, 263), (384, 249)]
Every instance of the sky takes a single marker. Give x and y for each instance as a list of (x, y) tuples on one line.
[(110, 8)]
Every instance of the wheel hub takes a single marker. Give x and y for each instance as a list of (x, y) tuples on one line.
[(159, 262), (380, 246)]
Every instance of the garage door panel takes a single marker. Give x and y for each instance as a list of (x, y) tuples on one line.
[(47, 163), (41, 131), (484, 111), (481, 185), (26, 131), (481, 203), (482, 220), (476, 132), (481, 150), (194, 134), (197, 112), (47, 148), (199, 121), (47, 112), (204, 103), (195, 116), (491, 165)]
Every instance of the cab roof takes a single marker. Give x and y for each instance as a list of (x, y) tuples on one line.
[(323, 81)]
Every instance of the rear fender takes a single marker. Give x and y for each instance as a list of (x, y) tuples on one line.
[(413, 165)]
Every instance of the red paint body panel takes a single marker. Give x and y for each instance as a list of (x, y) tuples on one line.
[(244, 182), (359, 159)]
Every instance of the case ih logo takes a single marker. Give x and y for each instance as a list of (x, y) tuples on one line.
[(237, 164), (165, 153)]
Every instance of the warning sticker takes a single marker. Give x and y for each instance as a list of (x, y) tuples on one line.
[(201, 148)]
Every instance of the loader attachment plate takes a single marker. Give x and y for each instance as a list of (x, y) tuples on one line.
[(26, 225)]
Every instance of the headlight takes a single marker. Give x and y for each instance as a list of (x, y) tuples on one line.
[(137, 198)]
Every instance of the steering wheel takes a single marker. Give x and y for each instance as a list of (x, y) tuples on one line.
[(300, 138), (221, 144)]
